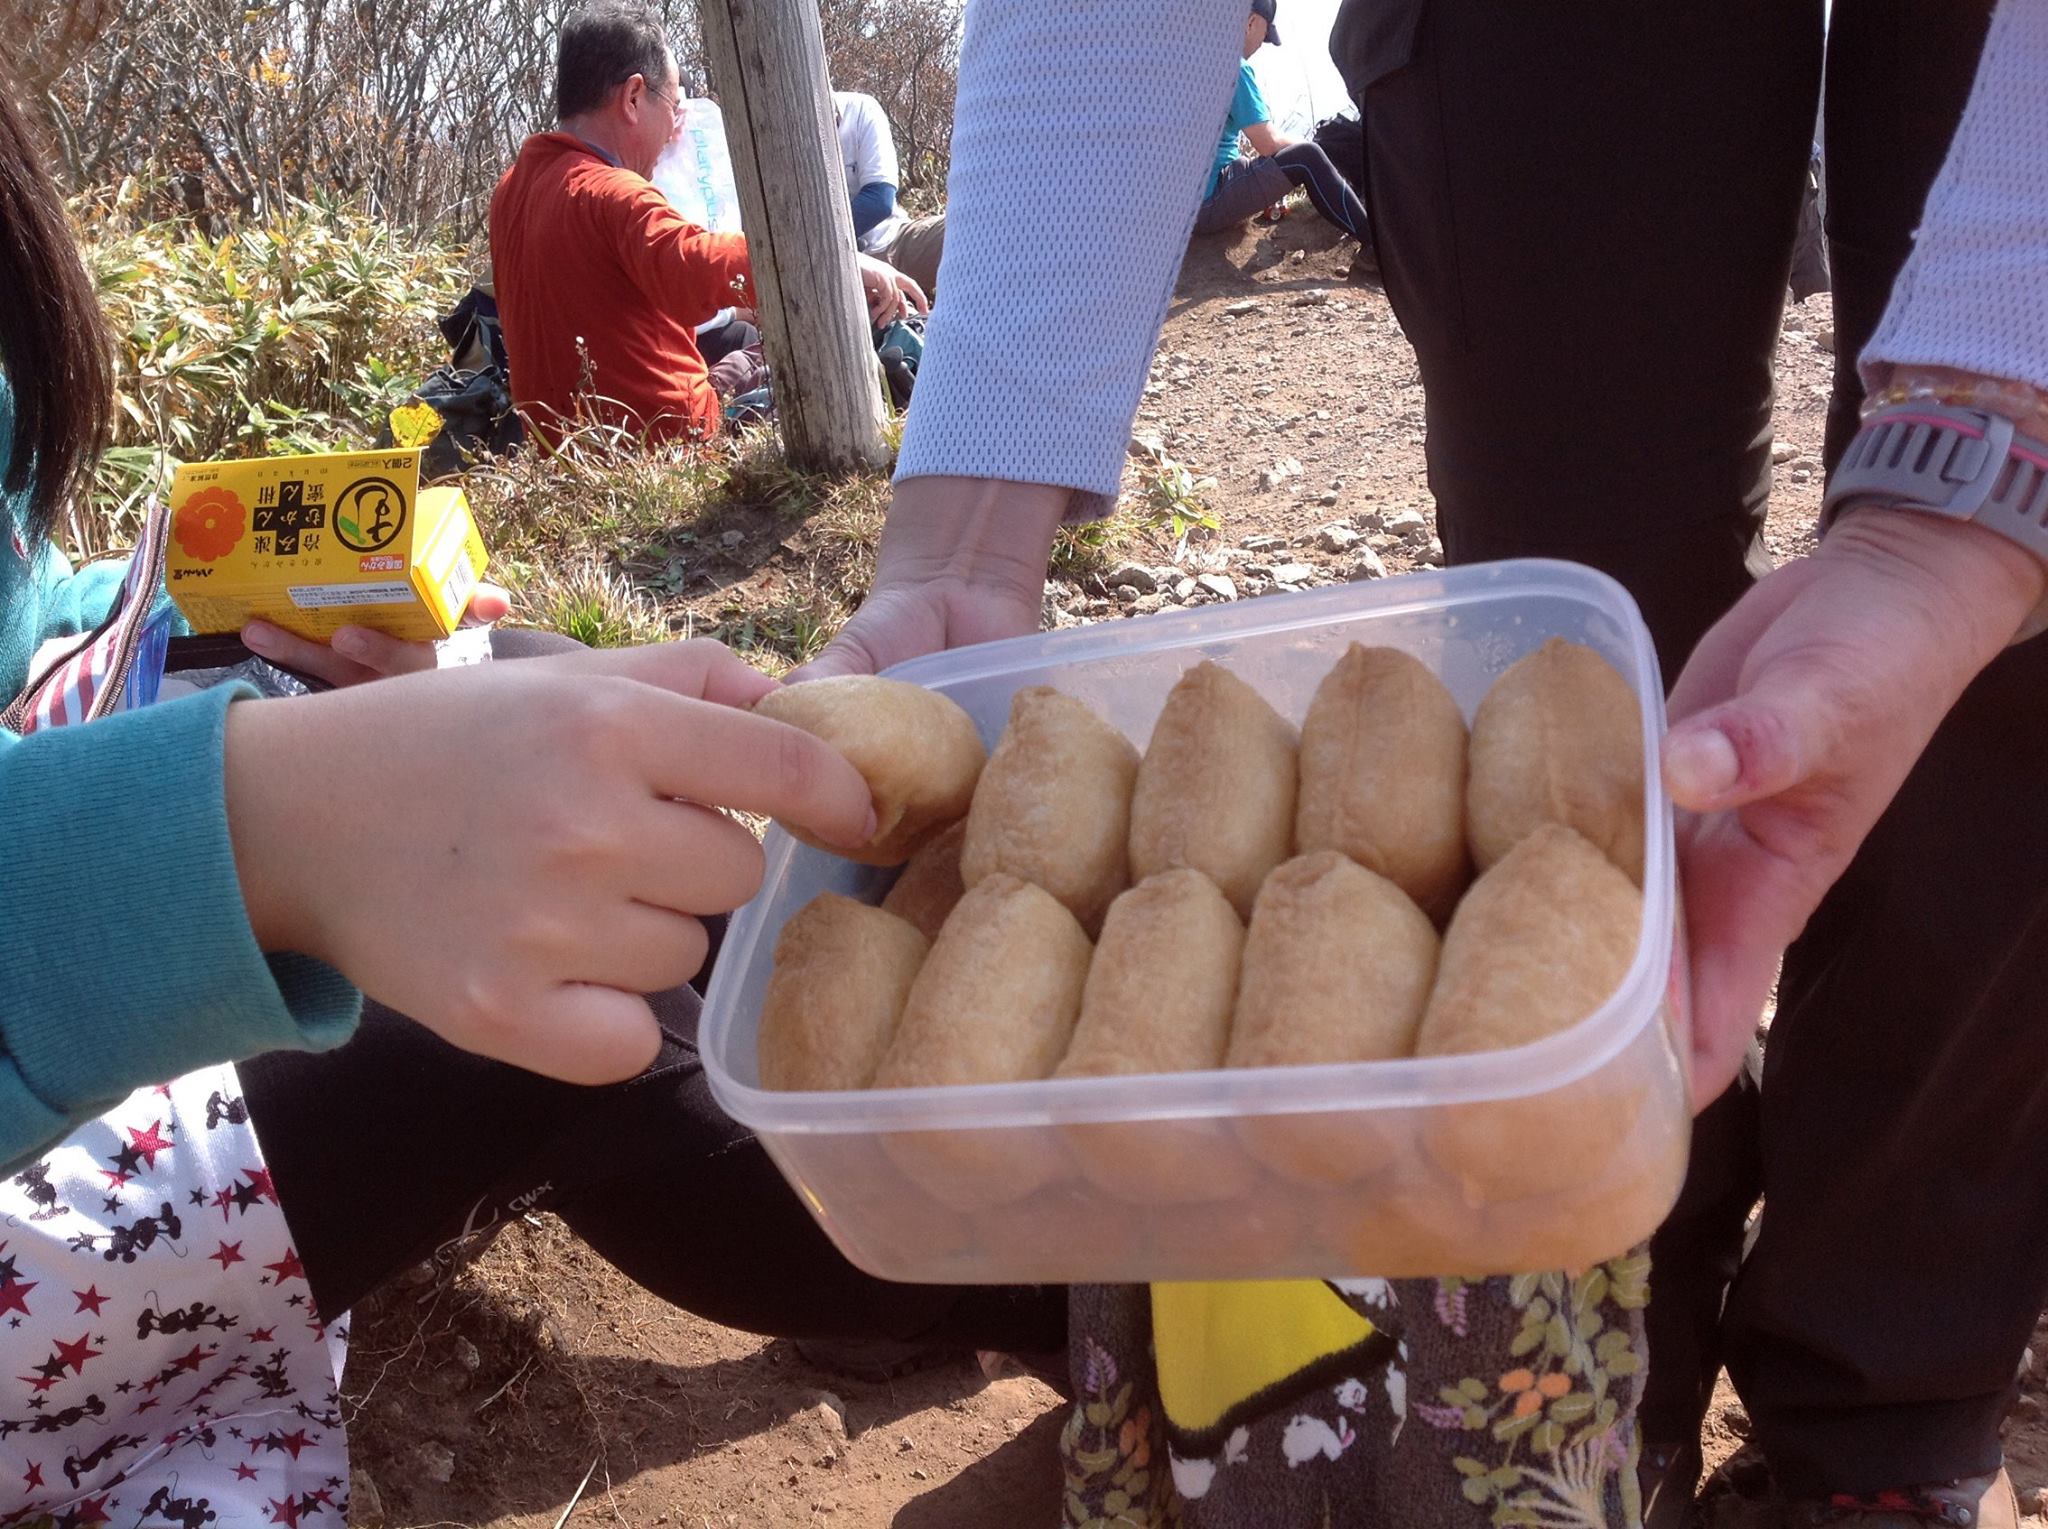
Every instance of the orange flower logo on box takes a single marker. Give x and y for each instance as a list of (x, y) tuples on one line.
[(209, 524)]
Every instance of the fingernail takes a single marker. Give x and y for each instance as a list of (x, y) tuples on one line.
[(259, 637), (350, 642), (867, 834), (1699, 765)]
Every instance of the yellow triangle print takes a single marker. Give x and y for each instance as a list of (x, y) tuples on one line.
[(1228, 1351)]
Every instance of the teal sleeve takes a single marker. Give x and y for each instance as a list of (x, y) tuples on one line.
[(126, 956), (76, 602), (1249, 104)]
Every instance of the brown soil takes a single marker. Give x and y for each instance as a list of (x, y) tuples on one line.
[(488, 1398)]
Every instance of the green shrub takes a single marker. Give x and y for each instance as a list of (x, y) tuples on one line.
[(295, 333)]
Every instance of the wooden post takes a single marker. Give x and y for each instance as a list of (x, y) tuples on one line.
[(768, 68)]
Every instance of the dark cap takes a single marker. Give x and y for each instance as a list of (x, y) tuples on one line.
[(1265, 8)]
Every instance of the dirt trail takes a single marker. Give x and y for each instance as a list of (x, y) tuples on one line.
[(488, 1401)]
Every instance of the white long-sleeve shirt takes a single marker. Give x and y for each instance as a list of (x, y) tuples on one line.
[(1066, 228)]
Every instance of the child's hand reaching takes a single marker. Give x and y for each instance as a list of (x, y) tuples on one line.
[(512, 854)]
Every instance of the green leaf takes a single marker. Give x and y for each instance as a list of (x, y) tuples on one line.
[(1525, 1341), (1590, 1288), (1514, 1428), (1612, 1343), (1475, 1489), (1465, 1465), (1471, 1390), (1521, 1288), (1546, 1439), (1571, 1407)]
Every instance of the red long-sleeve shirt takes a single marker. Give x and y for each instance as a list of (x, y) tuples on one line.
[(585, 249)]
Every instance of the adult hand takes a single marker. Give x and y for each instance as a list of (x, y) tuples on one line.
[(1794, 724), (513, 853), (355, 653), (889, 292), (962, 561)]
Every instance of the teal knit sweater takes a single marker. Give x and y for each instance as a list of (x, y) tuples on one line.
[(126, 956)]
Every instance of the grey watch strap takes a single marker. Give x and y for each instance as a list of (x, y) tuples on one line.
[(1943, 460)]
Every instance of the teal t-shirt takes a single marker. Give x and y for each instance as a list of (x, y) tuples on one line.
[(1247, 106)]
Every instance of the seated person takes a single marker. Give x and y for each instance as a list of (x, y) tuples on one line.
[(601, 283), (867, 149), (1242, 185)]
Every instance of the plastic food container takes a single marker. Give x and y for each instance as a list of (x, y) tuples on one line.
[(1252, 1173)]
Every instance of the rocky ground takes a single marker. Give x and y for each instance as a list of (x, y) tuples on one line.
[(539, 1385)]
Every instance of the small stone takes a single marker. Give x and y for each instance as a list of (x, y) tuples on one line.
[(1824, 339), (1367, 520), (1328, 496), (436, 1461), (1801, 475), (466, 1354), (2037, 1502), (1409, 525), (1184, 589), (905, 1442), (1783, 451), (1295, 257), (1432, 556), (1146, 445), (365, 1502), (1241, 307), (919, 1476), (1367, 565), (1258, 571), (1218, 584), (1136, 575), (1736, 1420), (1126, 595), (1253, 588), (732, 539), (1149, 605), (1293, 573), (1262, 542), (1314, 297), (1337, 538)]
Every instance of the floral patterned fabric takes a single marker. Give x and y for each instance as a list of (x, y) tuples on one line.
[(1506, 1401)]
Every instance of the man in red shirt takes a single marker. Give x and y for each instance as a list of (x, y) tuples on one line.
[(601, 284)]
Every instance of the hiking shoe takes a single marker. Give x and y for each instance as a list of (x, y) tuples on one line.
[(1668, 1474), (1976, 1502)]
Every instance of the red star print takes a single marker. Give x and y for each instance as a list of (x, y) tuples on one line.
[(227, 1253), (33, 1476), (294, 1442), (244, 1472), (115, 1178), (89, 1299), (259, 1180), (14, 1295), (287, 1267), (76, 1353), (41, 1382), (261, 1335), (286, 1512), (149, 1143), (222, 1199), (191, 1361), (164, 1089), (92, 1511)]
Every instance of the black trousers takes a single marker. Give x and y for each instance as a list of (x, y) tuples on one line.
[(397, 1147), (1584, 217)]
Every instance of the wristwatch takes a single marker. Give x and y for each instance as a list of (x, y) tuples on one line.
[(1959, 463)]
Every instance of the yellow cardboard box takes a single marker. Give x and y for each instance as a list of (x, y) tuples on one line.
[(315, 543)]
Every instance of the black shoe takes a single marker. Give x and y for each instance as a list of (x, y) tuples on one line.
[(1668, 1474)]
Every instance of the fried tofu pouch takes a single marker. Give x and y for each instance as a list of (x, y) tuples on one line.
[(1383, 775), (1163, 982), (1338, 963), (1054, 805), (1217, 786), (1539, 942), (1158, 998), (918, 751), (925, 894), (995, 1002), (1558, 739), (842, 974)]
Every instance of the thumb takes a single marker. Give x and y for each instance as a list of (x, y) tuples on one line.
[(1762, 743), (488, 604)]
